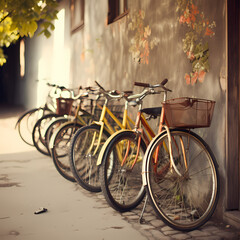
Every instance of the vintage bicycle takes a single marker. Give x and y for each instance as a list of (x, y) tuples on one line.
[(87, 141), (63, 113), (27, 120), (122, 186), (179, 171)]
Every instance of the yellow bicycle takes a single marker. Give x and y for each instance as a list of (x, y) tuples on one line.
[(88, 141)]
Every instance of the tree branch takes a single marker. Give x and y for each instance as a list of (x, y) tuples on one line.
[(6, 16)]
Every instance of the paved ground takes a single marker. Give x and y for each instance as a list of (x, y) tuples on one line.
[(28, 180)]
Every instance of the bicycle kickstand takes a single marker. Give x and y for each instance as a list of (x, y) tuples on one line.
[(141, 219)]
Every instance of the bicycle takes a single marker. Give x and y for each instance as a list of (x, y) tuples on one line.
[(77, 108), (63, 109), (122, 186), (182, 180), (88, 140), (26, 121), (60, 139)]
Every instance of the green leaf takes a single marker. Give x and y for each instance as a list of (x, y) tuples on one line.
[(32, 28), (47, 33)]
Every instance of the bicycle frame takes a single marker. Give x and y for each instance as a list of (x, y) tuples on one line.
[(104, 124), (163, 124), (140, 131), (146, 136)]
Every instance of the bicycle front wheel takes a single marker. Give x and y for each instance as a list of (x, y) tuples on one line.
[(26, 122), (85, 147), (39, 130), (52, 127), (120, 172), (60, 145), (184, 198)]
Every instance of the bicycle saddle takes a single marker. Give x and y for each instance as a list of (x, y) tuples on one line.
[(154, 112)]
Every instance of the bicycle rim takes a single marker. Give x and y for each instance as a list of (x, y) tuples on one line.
[(51, 129), (83, 158), (183, 202), (121, 180), (38, 133), (26, 124), (60, 151)]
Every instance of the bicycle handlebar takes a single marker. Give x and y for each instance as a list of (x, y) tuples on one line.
[(148, 89), (114, 94), (147, 85)]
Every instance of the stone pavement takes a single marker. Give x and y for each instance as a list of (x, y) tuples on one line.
[(153, 228), (29, 176)]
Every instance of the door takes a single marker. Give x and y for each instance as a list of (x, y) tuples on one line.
[(233, 113)]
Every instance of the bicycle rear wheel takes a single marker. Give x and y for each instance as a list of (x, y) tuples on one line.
[(186, 201), (60, 145), (84, 152), (121, 179)]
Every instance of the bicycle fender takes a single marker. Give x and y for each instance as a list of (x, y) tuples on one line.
[(152, 145), (51, 143), (51, 122), (101, 154), (24, 114)]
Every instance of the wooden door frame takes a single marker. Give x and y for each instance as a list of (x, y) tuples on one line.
[(232, 138)]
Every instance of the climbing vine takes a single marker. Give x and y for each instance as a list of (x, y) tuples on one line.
[(142, 41), (194, 44)]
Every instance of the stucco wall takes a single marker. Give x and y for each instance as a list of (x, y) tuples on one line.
[(101, 52)]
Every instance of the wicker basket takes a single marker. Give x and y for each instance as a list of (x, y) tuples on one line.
[(64, 106), (189, 112)]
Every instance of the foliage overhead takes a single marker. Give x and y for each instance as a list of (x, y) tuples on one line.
[(22, 18)]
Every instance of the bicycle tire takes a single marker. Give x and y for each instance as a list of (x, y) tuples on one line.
[(183, 202), (122, 186), (83, 161), (59, 145), (26, 122), (38, 133), (51, 127)]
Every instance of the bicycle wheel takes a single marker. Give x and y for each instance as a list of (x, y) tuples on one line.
[(59, 145), (184, 201), (51, 127), (26, 123), (121, 180), (84, 152), (38, 133)]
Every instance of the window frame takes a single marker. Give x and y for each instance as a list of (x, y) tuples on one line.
[(113, 10), (76, 24)]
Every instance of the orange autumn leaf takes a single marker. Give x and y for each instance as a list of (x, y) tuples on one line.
[(193, 18), (187, 78), (195, 10), (190, 55), (194, 78), (209, 32), (182, 19), (146, 60), (188, 20), (201, 76)]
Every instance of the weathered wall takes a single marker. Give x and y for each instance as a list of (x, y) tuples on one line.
[(105, 57), (101, 52)]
